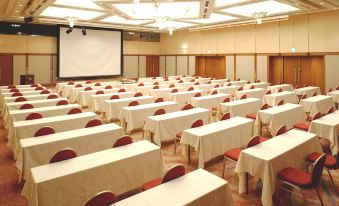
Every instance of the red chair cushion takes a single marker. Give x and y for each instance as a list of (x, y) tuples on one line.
[(252, 116), (263, 139), (296, 177), (233, 154), (179, 134), (214, 108), (302, 126), (330, 161), (151, 184)]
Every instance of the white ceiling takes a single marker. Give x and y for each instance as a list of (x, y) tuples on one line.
[(152, 15)]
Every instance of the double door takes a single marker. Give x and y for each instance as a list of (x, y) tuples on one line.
[(211, 66), (6, 70), (152, 66)]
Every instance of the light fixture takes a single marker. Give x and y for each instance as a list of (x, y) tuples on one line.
[(83, 30), (29, 18), (69, 30), (71, 20), (258, 16), (170, 30)]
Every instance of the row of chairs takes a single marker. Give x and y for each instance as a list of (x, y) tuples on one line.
[(14, 86)]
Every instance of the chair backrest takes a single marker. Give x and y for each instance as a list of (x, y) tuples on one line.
[(62, 102), (14, 90), (156, 87), (178, 78), (187, 107), (33, 116), (282, 129), (45, 92), (253, 141), (258, 81), (166, 79), (104, 198), (197, 123), (99, 92), (108, 87), (244, 96), (281, 102), (78, 85), (252, 87), (268, 92), (138, 94), (297, 86), (124, 140), (16, 94), (217, 86), (70, 83), (197, 94), (44, 131), (317, 170), (174, 90), (93, 123), (159, 112), (74, 111), (330, 90), (88, 88), (331, 110), (88, 82), (121, 90), (133, 103), (26, 106), (303, 96), (190, 89), (214, 92), (248, 82), (160, 99), (279, 83), (280, 90), (306, 85), (229, 84), (337, 88), (52, 96), (228, 80), (240, 89), (263, 107), (11, 87), (181, 81), (114, 97), (209, 82), (317, 116), (193, 80), (314, 94), (225, 116), (173, 173), (97, 84), (227, 99), (34, 85), (141, 84), (20, 99), (197, 83), (171, 86), (39, 88), (156, 83), (62, 155), (154, 78), (238, 79)]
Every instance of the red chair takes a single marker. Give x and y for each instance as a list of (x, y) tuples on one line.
[(39, 88), (20, 99), (26, 106), (74, 111), (78, 86), (52, 96), (62, 155), (227, 99), (258, 81), (306, 85), (11, 87), (314, 94), (166, 79), (238, 79), (138, 94), (45, 92), (141, 84), (133, 103), (177, 78), (268, 92), (244, 96), (217, 86), (121, 90), (214, 92), (248, 82), (252, 87), (156, 83), (93, 123), (280, 90), (331, 163), (279, 83), (124, 140), (159, 112), (240, 89), (104, 198), (160, 99), (156, 87), (34, 85), (171, 86), (190, 89), (88, 82), (108, 87), (16, 94), (70, 83), (193, 80), (114, 97), (97, 84), (88, 88), (254, 115), (209, 82), (281, 130), (297, 87), (174, 91), (303, 126), (304, 96), (187, 107), (330, 90), (44, 131), (173, 173), (281, 102), (197, 83), (178, 135), (337, 88), (62, 102), (303, 180), (225, 116), (154, 78), (33, 116), (229, 84), (331, 110), (181, 81), (14, 90), (99, 92), (228, 80), (197, 94)]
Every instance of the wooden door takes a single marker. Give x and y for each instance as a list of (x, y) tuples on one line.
[(291, 70), (200, 66), (276, 69), (318, 72), (6, 70), (305, 71), (220, 68), (210, 66), (152, 66)]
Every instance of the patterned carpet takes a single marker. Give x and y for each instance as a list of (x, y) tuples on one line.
[(10, 189)]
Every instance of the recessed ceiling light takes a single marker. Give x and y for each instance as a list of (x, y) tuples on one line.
[(58, 12), (20, 5), (88, 4), (322, 3), (120, 20)]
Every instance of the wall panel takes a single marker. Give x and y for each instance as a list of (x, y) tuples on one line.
[(19, 65), (245, 67), (142, 66), (162, 66), (262, 68), (182, 63), (40, 66), (230, 67), (331, 71), (170, 66), (130, 66), (191, 62)]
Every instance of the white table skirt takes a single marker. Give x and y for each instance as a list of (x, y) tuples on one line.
[(29, 98), (320, 103), (74, 181), (307, 90), (284, 87), (75, 94), (254, 93), (273, 99), (240, 83), (97, 102), (59, 86), (206, 87), (84, 96), (163, 92), (209, 101), (240, 107), (145, 90), (262, 85), (226, 90), (334, 95), (184, 97), (66, 89)]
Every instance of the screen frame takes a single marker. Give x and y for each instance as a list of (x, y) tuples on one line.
[(96, 76)]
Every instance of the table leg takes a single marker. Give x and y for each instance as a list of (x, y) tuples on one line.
[(189, 154)]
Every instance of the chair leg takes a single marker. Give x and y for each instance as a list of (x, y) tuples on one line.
[(246, 183), (331, 178), (189, 154), (321, 201)]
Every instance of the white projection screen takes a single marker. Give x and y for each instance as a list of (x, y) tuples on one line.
[(96, 54)]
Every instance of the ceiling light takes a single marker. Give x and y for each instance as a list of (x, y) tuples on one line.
[(172, 24), (121, 20), (29, 19), (258, 16), (20, 5), (69, 30), (322, 3), (88, 4), (170, 31), (71, 20), (57, 12), (83, 30)]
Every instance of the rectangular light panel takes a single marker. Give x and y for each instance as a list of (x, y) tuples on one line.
[(57, 12), (220, 3), (120, 20), (214, 18)]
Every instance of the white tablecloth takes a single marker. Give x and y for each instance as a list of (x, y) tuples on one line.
[(307, 90), (240, 83), (97, 102), (29, 98), (84, 96), (219, 81), (226, 90), (19, 86), (162, 92), (113, 107), (183, 97), (209, 101), (262, 85), (327, 127), (214, 139), (287, 114), (164, 127), (37, 151), (66, 89), (273, 99), (145, 90), (268, 158), (240, 107), (197, 188), (74, 181), (284, 87), (75, 92), (255, 93), (185, 85), (25, 92), (59, 86), (135, 116), (334, 95), (320, 103), (206, 87)]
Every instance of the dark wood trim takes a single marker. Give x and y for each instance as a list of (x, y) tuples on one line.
[(255, 68), (26, 66), (235, 67)]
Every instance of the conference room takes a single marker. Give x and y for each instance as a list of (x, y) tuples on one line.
[(169, 102)]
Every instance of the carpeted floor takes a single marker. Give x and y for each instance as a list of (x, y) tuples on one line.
[(10, 189)]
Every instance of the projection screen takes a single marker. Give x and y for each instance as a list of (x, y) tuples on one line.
[(98, 53)]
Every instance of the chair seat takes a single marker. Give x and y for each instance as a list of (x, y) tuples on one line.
[(252, 116), (263, 139), (296, 177), (233, 154), (302, 126), (330, 161), (179, 134), (151, 184)]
